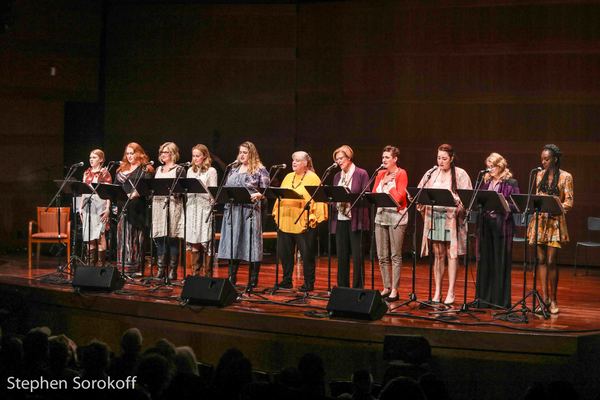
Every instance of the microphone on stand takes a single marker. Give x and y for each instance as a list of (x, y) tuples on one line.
[(77, 165), (380, 168), (332, 166), (279, 166), (485, 171), (431, 170), (233, 164), (536, 169), (185, 164)]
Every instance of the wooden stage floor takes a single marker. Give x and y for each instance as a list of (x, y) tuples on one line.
[(274, 330)]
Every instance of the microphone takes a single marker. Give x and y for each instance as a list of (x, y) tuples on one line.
[(380, 168), (537, 169), (77, 165), (185, 164), (431, 170), (233, 164), (280, 166), (332, 166), (485, 171)]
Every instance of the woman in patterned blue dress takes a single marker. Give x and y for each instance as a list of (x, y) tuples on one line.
[(243, 221)]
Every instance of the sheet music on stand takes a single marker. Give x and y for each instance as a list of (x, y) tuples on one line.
[(488, 200)]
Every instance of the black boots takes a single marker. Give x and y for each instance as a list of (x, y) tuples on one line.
[(233, 269), (254, 270), (161, 261)]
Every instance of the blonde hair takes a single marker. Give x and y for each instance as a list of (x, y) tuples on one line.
[(347, 150), (498, 161), (305, 157), (171, 148), (207, 160), (254, 162), (100, 155)]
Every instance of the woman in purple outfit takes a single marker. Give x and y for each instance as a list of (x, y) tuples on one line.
[(348, 225), (495, 238)]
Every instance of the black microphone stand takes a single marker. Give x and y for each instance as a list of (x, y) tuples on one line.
[(412, 297), (57, 198), (123, 218), (465, 306), (306, 208), (371, 252)]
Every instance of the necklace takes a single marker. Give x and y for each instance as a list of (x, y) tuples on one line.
[(299, 183)]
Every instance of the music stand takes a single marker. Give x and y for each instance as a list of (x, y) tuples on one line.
[(435, 198), (486, 201), (191, 186), (538, 204), (165, 187), (377, 200), (75, 189), (116, 194), (330, 194), (240, 196), (279, 193)]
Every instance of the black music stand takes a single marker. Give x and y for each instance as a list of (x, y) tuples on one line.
[(415, 194), (435, 198), (165, 187), (234, 196), (377, 200), (192, 186), (485, 201), (76, 189), (279, 193), (330, 194), (116, 194), (532, 204)]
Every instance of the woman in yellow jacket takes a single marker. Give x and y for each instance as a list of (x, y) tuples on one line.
[(290, 233)]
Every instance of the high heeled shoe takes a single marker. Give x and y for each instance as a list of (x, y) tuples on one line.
[(554, 308), (385, 294)]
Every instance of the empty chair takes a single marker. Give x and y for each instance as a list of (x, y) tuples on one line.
[(47, 230), (593, 225)]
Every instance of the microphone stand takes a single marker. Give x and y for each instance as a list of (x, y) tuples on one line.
[(212, 212), (371, 253), (166, 279), (465, 307), (57, 198), (307, 209), (412, 297), (123, 218)]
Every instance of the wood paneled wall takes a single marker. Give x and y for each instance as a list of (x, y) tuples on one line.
[(485, 76), (48, 55)]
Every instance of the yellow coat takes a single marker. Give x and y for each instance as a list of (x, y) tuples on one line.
[(291, 208)]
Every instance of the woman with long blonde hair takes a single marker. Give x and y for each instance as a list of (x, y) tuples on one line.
[(199, 226), (242, 222)]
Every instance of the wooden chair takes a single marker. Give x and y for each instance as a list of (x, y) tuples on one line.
[(47, 230)]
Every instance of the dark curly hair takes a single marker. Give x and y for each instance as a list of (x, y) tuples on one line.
[(546, 187)]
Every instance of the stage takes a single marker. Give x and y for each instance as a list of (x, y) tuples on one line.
[(477, 356)]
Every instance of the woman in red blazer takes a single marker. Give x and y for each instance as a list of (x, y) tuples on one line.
[(390, 222)]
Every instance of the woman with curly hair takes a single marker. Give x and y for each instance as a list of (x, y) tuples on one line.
[(552, 230), (131, 232), (243, 221)]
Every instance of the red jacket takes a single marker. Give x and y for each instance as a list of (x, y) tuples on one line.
[(399, 192)]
